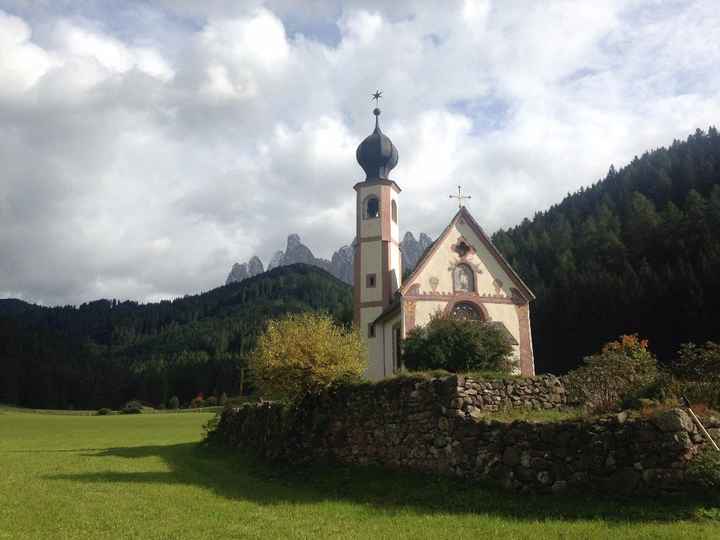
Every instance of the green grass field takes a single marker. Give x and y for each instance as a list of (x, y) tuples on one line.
[(146, 476)]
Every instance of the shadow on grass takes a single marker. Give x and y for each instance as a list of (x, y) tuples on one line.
[(232, 474)]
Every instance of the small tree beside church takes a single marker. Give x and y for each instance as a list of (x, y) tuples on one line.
[(457, 345), (304, 353)]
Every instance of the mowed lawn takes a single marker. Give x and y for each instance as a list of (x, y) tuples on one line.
[(146, 476)]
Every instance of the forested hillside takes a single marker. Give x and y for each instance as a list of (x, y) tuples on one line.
[(104, 353), (637, 252)]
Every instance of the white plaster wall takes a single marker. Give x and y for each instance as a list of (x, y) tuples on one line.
[(387, 333), (507, 314), (375, 351), (371, 263), (424, 309)]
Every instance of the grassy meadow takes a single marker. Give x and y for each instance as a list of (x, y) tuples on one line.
[(146, 476)]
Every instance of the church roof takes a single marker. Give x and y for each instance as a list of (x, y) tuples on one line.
[(377, 154), (484, 238), (388, 312)]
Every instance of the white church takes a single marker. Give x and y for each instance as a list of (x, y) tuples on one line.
[(462, 274)]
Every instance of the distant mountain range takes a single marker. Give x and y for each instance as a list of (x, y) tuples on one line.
[(340, 265)]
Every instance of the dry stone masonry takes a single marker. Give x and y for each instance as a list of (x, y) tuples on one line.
[(541, 392), (434, 426)]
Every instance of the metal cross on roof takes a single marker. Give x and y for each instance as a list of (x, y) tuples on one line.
[(376, 96), (460, 197)]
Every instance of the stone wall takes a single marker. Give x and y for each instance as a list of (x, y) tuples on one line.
[(541, 392), (428, 426)]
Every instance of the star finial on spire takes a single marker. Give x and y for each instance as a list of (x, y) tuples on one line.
[(376, 96), (460, 197)]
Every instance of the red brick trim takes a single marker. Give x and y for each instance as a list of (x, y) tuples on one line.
[(378, 182), (377, 239), (449, 297)]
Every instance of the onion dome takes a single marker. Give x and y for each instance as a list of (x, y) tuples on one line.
[(377, 154)]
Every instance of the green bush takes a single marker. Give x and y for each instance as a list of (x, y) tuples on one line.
[(223, 399), (210, 429), (697, 363), (304, 353), (174, 403), (457, 346), (694, 373), (622, 372), (103, 412), (212, 401), (704, 469), (132, 407)]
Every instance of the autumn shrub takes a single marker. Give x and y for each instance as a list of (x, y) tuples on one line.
[(457, 345), (301, 354), (624, 369)]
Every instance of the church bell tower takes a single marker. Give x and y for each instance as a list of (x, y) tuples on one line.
[(377, 271)]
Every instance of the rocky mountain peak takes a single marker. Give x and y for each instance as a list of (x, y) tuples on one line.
[(238, 272), (276, 260), (340, 265), (293, 241), (255, 266)]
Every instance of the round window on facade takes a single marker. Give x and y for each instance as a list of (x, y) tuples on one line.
[(372, 207), (466, 311)]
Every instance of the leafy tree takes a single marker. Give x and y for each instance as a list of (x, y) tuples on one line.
[(301, 354), (457, 345)]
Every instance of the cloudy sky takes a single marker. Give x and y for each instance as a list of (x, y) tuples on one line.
[(145, 146)]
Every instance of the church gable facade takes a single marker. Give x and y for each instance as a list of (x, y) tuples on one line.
[(464, 275), (461, 275)]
